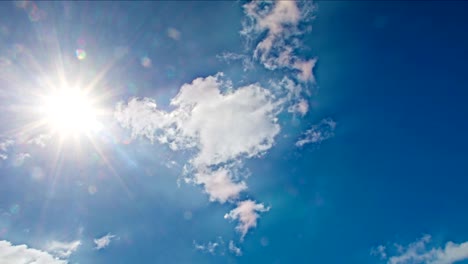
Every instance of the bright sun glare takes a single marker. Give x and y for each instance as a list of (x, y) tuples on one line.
[(70, 111)]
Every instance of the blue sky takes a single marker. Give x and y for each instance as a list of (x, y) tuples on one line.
[(233, 132)]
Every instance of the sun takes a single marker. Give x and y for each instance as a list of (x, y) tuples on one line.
[(69, 111)]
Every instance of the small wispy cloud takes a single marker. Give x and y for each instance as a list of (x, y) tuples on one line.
[(419, 252), (218, 247), (379, 251), (301, 107), (234, 249), (247, 61), (173, 33), (5, 151), (20, 158), (318, 132), (246, 213), (63, 249), (22, 254), (211, 247), (292, 95), (104, 241), (4, 147), (5, 144), (281, 21), (40, 140), (272, 32)]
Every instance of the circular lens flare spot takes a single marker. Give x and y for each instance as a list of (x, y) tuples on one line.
[(92, 189), (146, 62), (80, 54), (14, 209)]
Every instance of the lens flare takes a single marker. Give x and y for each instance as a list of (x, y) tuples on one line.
[(80, 54), (146, 62), (70, 111)]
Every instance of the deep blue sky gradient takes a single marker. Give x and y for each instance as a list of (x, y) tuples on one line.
[(392, 74)]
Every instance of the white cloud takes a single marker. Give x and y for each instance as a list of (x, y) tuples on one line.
[(281, 20), (247, 62), (4, 147), (379, 251), (141, 116), (301, 107), (218, 247), (234, 249), (104, 241), (222, 127), (305, 69), (318, 133), (246, 213), (63, 249), (226, 126), (22, 254), (418, 252), (452, 253), (173, 33), (210, 247), (291, 93), (40, 140), (272, 31), (219, 184), (20, 158), (277, 20)]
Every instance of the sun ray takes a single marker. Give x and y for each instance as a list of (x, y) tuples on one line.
[(111, 168)]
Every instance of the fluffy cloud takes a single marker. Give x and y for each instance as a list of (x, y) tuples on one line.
[(219, 184), (223, 127), (226, 126), (281, 21), (63, 249), (246, 213), (207, 119), (234, 249), (104, 241), (318, 133), (141, 116), (21, 254), (418, 252)]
